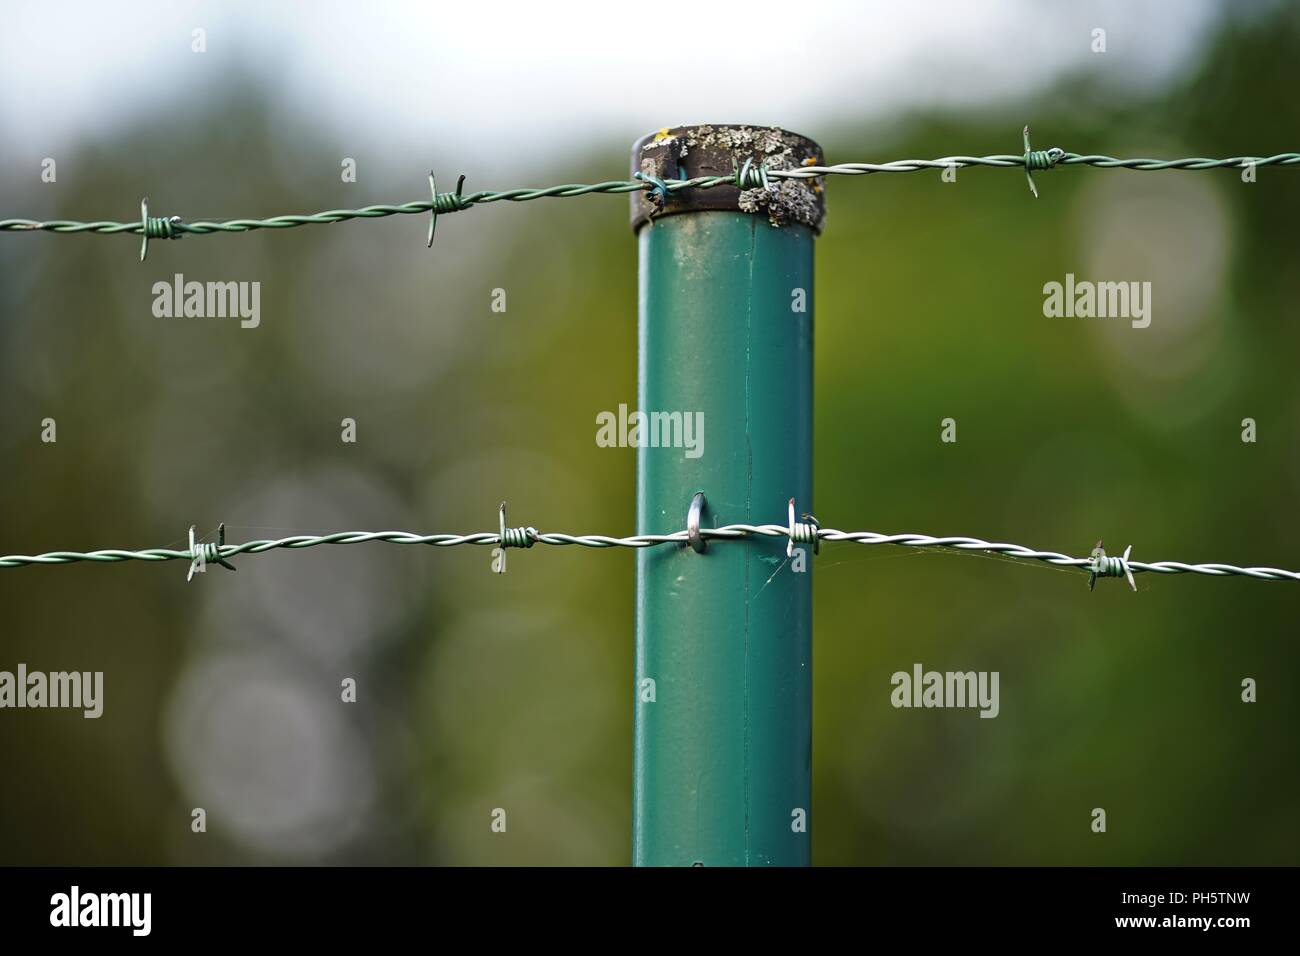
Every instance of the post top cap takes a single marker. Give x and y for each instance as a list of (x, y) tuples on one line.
[(720, 149)]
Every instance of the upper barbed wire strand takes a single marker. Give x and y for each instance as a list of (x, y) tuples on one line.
[(726, 532), (204, 226)]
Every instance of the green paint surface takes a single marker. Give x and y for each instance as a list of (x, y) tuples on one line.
[(723, 756)]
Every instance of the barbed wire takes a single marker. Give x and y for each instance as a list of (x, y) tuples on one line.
[(749, 176), (1099, 564), (200, 553)]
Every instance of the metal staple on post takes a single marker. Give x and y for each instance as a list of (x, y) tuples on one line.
[(693, 536)]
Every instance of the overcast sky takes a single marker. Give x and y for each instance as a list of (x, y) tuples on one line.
[(555, 73)]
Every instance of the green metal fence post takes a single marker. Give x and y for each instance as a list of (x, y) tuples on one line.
[(723, 725)]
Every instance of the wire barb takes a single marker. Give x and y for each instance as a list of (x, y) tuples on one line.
[(1102, 565), (203, 553), (1039, 159), (805, 532), (515, 537), (154, 227), (444, 202), (750, 176), (657, 194)]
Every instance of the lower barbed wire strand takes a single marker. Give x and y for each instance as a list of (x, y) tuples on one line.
[(731, 532)]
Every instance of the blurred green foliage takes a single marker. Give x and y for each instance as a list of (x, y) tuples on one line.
[(480, 691)]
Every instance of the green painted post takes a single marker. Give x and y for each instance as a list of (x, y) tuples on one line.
[(722, 759)]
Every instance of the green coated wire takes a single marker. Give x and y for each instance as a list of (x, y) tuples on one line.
[(201, 552), (747, 177)]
